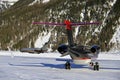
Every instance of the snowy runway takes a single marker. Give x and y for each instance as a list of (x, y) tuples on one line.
[(47, 68)]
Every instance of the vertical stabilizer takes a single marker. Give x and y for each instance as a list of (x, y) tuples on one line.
[(69, 33)]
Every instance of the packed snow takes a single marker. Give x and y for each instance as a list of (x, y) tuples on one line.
[(50, 66)]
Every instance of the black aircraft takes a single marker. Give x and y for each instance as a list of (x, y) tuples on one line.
[(80, 54)]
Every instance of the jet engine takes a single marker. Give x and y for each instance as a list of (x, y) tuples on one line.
[(62, 48), (94, 48)]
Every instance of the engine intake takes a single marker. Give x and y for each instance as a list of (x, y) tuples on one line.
[(62, 48), (94, 48)]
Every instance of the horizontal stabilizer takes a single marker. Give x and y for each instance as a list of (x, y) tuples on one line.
[(70, 23)]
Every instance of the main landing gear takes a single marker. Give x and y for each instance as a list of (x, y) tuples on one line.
[(94, 66), (67, 65)]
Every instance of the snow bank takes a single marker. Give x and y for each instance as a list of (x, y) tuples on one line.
[(40, 42), (25, 54), (107, 56), (103, 55)]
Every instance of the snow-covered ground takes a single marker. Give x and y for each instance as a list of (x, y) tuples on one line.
[(49, 66)]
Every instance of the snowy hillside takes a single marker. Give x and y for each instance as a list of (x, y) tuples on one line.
[(17, 30), (5, 4), (49, 66), (38, 1)]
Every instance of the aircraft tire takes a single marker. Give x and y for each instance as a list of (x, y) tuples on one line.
[(96, 66)]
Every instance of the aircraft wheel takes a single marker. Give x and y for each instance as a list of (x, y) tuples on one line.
[(96, 66)]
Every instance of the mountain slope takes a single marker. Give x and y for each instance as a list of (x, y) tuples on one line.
[(5, 4), (17, 30)]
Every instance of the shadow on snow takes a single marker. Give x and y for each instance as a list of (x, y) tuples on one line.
[(62, 66), (59, 66)]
